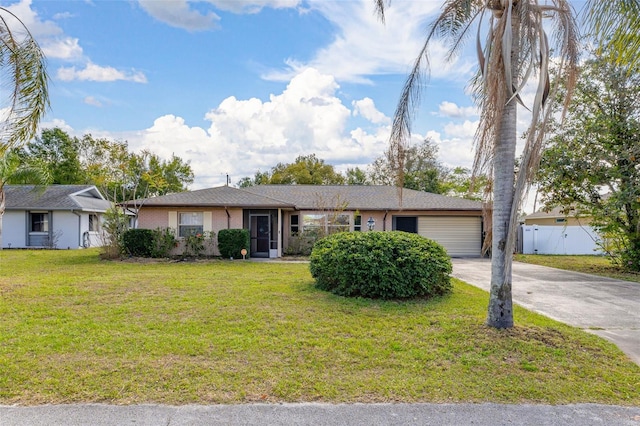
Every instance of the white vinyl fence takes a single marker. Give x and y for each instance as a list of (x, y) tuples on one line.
[(537, 239)]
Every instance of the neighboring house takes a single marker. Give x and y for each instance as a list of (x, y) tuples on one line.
[(279, 216), (558, 231), (56, 216)]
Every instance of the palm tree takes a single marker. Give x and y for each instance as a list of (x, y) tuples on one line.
[(22, 64), (516, 50), (615, 25), (13, 170)]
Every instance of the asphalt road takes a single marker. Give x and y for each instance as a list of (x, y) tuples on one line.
[(606, 307), (322, 415)]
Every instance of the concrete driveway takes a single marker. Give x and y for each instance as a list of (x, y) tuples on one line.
[(606, 307)]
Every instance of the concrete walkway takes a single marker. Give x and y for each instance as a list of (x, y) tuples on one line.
[(606, 307)]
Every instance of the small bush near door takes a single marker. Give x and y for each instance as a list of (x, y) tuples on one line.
[(381, 265), (232, 241)]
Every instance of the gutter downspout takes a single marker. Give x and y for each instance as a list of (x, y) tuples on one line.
[(228, 217), (384, 220)]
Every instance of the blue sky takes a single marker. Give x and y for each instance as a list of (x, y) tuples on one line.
[(236, 86)]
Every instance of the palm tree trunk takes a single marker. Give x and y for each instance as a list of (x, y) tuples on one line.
[(500, 312)]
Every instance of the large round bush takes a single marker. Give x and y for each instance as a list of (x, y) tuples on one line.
[(381, 265)]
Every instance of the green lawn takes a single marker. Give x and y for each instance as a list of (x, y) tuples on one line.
[(74, 329), (597, 265)]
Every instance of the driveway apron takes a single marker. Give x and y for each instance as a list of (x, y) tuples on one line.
[(603, 306)]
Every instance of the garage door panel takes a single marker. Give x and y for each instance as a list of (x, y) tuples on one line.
[(460, 236)]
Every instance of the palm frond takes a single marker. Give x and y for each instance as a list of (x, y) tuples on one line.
[(23, 66)]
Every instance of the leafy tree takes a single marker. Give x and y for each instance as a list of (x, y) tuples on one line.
[(120, 174), (59, 153), (357, 176), (421, 169), (305, 170), (515, 44), (259, 178), (593, 162), (459, 182)]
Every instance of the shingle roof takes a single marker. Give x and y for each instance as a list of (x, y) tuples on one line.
[(55, 197), (222, 196), (362, 197), (311, 197)]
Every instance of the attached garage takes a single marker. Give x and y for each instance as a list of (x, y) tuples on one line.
[(460, 236)]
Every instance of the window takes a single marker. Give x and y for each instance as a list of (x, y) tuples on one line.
[(327, 223), (338, 223), (190, 224), (94, 223), (39, 222), (357, 223), (560, 220), (295, 224)]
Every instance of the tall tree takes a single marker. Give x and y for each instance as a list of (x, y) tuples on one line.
[(23, 69), (421, 169), (23, 73), (615, 25), (593, 163), (60, 154), (516, 48), (305, 170)]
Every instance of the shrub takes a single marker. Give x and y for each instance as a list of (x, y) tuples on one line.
[(138, 242), (232, 241), (164, 241), (381, 265)]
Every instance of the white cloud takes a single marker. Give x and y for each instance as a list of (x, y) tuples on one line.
[(363, 46), (62, 48), (90, 100), (182, 14), (250, 135), (450, 109), (367, 109), (467, 129), (93, 72), (253, 6), (178, 13)]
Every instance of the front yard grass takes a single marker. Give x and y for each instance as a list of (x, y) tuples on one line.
[(596, 265), (77, 329)]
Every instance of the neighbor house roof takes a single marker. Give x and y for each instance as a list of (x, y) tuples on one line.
[(556, 212), (221, 196), (312, 197), (55, 197)]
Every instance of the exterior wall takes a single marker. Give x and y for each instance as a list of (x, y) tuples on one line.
[(538, 239), (66, 228), (14, 229), (383, 222), (214, 220)]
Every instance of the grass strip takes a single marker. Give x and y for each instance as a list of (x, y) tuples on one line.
[(77, 329)]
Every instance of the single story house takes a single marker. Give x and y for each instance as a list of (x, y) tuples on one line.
[(279, 216), (559, 231), (56, 216)]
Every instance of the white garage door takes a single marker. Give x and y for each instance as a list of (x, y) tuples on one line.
[(460, 236)]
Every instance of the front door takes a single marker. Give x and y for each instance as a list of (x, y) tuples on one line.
[(260, 235)]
